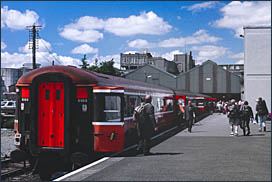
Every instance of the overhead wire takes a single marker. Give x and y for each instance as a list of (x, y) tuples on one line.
[(45, 57), (51, 52)]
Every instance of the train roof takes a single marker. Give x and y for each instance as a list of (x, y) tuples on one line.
[(79, 76)]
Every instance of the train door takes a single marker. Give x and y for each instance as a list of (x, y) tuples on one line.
[(108, 119), (51, 114)]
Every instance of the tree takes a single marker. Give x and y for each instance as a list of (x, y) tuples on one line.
[(84, 63), (105, 67)]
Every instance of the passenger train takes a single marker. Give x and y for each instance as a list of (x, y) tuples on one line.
[(64, 112)]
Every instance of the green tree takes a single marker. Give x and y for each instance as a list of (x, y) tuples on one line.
[(105, 68), (84, 63)]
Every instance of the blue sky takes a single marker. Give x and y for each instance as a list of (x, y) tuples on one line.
[(103, 30)]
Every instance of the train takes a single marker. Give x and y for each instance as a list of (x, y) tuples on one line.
[(66, 115)]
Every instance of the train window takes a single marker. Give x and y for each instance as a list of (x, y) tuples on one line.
[(57, 94), (181, 101), (168, 105), (159, 107), (112, 108), (125, 106), (47, 93), (132, 103), (107, 108)]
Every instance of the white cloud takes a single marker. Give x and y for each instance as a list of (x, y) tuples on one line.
[(147, 23), (87, 28), (200, 6), (44, 56), (84, 49), (3, 45), (240, 62), (79, 35), (198, 37), (170, 55), (16, 60), (130, 52), (140, 43), (208, 52), (14, 19), (237, 14), (237, 56), (87, 23)]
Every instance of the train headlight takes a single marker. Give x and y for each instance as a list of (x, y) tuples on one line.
[(84, 107)]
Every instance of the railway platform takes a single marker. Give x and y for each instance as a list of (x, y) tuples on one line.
[(209, 153)]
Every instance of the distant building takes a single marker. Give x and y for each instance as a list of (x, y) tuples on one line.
[(9, 76), (234, 68), (208, 78), (237, 69), (184, 62), (181, 62), (257, 71), (133, 61), (153, 75)]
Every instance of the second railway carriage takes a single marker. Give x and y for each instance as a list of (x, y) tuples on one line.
[(200, 101), (65, 111)]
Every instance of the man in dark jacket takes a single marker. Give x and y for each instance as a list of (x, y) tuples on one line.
[(247, 114), (262, 112), (189, 115), (146, 127)]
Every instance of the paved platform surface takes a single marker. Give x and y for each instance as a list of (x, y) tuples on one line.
[(206, 154)]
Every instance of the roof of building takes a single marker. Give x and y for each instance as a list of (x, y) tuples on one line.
[(148, 65), (204, 63), (256, 27)]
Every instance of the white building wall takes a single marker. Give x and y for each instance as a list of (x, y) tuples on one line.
[(257, 66)]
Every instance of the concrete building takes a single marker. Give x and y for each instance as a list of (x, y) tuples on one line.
[(133, 61), (165, 65), (211, 79), (237, 69), (151, 74), (234, 68), (184, 62), (208, 78), (257, 71)]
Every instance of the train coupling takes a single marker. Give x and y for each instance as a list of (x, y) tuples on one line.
[(18, 155)]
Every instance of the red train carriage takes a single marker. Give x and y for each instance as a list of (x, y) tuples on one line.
[(64, 112), (200, 101)]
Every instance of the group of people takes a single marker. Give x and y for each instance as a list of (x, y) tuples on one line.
[(146, 124), (241, 113)]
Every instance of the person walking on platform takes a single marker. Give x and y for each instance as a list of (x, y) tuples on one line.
[(262, 111), (247, 115), (233, 115), (146, 125), (189, 115), (180, 111)]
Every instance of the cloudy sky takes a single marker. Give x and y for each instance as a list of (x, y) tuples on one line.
[(103, 30)]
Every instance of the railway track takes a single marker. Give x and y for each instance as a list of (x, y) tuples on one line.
[(10, 169)]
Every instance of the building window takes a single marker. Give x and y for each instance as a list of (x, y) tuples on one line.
[(237, 67), (232, 67)]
